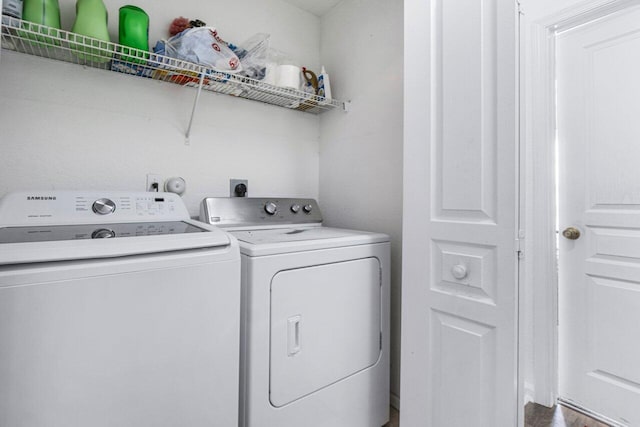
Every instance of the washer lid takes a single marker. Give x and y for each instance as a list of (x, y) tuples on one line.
[(283, 240), (86, 241), (52, 233)]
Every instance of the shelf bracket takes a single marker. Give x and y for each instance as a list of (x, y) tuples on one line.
[(346, 106), (193, 111)]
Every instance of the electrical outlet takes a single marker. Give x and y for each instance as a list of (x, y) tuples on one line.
[(234, 189), (154, 182)]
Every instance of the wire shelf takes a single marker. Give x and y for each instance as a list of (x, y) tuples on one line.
[(39, 40)]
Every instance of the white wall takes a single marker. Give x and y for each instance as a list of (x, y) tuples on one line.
[(66, 127), (361, 151)]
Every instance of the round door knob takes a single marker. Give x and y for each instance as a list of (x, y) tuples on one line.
[(295, 208), (270, 208), (104, 206), (459, 271), (571, 233), (103, 233), (307, 208)]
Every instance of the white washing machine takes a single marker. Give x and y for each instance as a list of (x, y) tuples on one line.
[(118, 310), (315, 323)]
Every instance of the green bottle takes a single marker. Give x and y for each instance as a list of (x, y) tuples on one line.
[(133, 31), (45, 13), (91, 21)]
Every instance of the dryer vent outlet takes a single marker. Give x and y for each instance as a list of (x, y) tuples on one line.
[(238, 187)]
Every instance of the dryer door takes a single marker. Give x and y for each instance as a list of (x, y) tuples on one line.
[(325, 326)]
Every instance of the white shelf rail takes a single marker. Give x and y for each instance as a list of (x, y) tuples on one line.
[(39, 40)]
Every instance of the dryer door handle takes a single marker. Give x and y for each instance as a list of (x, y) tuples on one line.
[(293, 335)]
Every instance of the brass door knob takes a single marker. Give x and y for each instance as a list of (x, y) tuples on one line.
[(571, 233)]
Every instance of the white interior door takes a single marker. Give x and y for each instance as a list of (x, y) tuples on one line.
[(459, 296), (598, 77)]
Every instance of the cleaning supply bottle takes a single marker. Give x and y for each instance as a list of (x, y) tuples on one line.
[(134, 32), (312, 81), (43, 12), (324, 86), (91, 20)]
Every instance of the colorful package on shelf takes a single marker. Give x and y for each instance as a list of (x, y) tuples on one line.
[(213, 80), (133, 69)]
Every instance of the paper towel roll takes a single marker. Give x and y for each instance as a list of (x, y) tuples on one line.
[(271, 73), (289, 76)]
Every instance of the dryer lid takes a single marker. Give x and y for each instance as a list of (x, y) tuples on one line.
[(281, 235), (284, 240)]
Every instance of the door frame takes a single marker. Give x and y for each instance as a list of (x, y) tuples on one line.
[(541, 277)]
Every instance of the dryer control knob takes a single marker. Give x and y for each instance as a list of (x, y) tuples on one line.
[(104, 206), (295, 208), (270, 208), (307, 208)]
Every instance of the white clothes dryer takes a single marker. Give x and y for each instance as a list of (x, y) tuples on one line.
[(315, 315), (116, 309)]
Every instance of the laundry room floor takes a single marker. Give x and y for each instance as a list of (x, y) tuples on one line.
[(558, 416), (536, 416), (394, 418)]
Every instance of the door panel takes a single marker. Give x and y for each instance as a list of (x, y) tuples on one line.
[(598, 74), (459, 326), (464, 114), (325, 326), (466, 349)]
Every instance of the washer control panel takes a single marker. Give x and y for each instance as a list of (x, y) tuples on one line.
[(77, 207), (249, 211), (149, 205)]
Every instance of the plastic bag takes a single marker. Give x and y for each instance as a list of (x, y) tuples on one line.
[(202, 45), (253, 55)]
